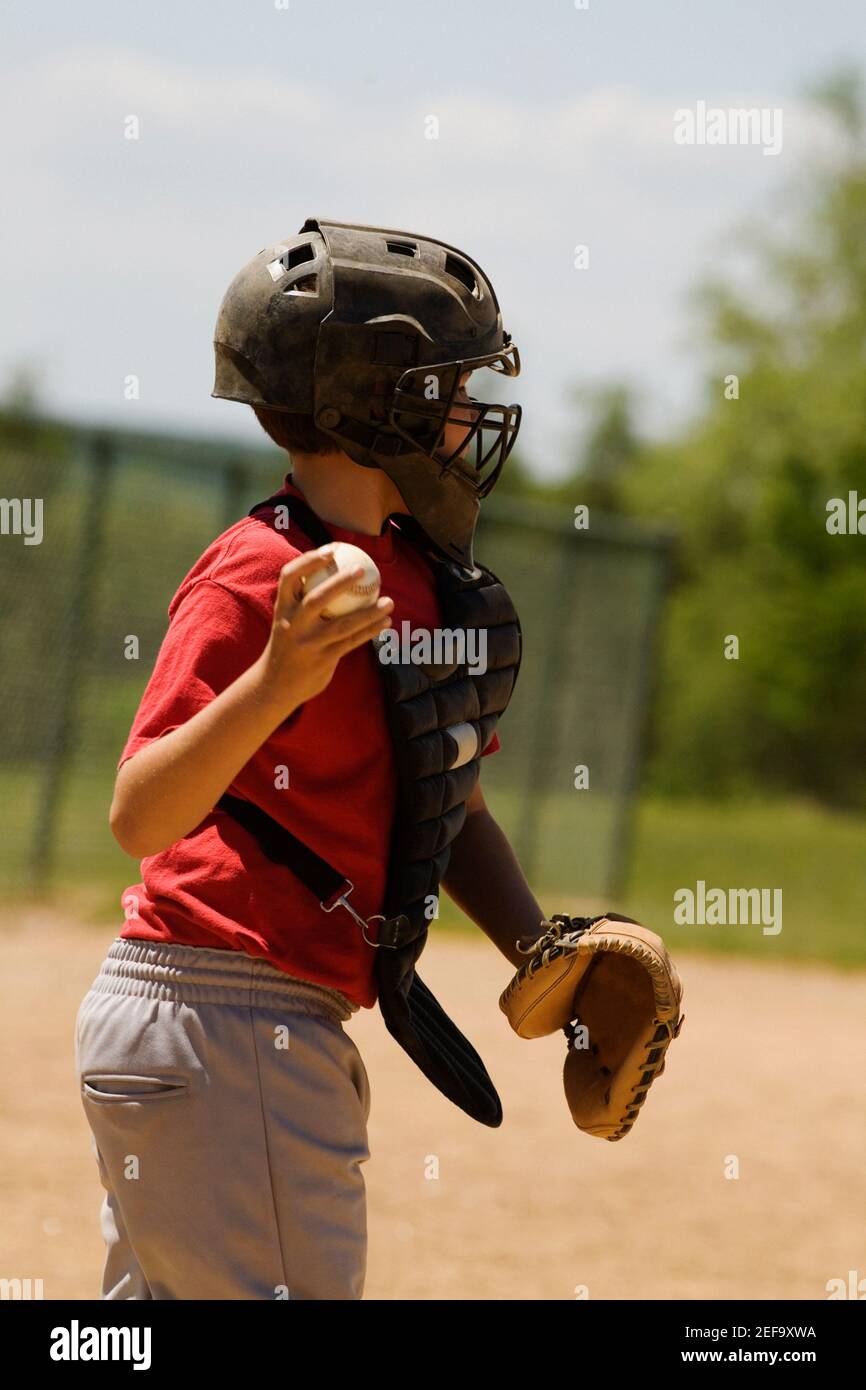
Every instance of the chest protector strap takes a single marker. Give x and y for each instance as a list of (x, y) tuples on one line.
[(441, 714)]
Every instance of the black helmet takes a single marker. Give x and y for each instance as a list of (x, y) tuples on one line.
[(369, 331)]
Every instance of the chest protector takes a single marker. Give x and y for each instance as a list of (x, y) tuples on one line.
[(440, 717)]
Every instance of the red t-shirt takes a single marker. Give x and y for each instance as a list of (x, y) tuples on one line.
[(215, 887)]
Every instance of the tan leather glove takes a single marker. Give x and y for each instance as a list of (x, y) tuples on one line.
[(611, 986)]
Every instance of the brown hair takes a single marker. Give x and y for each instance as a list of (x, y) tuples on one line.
[(294, 431)]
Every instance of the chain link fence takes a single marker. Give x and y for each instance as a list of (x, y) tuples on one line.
[(123, 518)]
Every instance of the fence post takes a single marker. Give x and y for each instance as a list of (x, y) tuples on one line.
[(625, 815), (537, 781), (72, 661)]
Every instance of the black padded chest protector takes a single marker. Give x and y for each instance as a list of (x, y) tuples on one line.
[(428, 708), (440, 717)]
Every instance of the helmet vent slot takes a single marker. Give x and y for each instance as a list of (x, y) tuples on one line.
[(463, 272), (402, 248), (298, 255), (307, 284)]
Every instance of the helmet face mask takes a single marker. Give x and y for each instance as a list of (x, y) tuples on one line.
[(487, 429), (370, 332)]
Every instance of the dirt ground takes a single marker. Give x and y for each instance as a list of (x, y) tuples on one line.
[(770, 1068)]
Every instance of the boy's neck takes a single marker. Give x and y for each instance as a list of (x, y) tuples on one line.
[(346, 494)]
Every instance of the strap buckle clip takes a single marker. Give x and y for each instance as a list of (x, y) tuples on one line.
[(341, 899)]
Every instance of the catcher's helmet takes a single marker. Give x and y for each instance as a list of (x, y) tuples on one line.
[(369, 331)]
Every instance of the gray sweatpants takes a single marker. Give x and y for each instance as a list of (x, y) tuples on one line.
[(229, 1114)]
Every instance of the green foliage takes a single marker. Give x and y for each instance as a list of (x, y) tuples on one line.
[(610, 447), (747, 489)]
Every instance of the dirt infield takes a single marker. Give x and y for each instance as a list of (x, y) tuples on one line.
[(770, 1070)]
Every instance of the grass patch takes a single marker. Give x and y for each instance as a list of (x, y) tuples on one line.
[(814, 855)]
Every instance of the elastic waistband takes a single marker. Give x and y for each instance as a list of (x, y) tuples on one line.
[(200, 975)]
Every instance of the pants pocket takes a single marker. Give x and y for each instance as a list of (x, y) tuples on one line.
[(113, 1088)]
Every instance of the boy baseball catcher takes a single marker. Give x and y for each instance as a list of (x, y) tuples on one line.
[(298, 799)]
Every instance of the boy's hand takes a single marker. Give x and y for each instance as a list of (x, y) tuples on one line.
[(304, 647)]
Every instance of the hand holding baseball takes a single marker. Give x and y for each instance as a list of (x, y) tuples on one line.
[(312, 625), (342, 559)]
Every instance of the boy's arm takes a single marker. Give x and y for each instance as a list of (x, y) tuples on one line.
[(487, 883), (170, 786)]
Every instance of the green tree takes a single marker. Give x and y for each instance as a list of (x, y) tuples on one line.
[(748, 489)]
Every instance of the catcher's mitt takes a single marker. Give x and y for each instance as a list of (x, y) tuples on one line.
[(612, 988)]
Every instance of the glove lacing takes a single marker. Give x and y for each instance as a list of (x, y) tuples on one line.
[(562, 935)]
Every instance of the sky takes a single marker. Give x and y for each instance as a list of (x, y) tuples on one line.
[(555, 130)]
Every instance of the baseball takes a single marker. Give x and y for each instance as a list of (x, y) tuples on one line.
[(365, 590)]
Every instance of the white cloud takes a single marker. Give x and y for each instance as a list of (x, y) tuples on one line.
[(121, 249)]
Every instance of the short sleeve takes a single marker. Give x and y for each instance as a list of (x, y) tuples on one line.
[(213, 637)]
